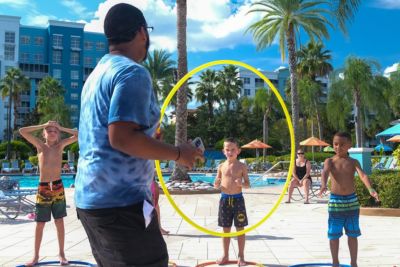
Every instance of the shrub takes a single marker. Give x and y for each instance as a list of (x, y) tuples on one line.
[(34, 160), (387, 184), (22, 149)]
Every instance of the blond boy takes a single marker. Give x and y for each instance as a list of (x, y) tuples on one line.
[(50, 198)]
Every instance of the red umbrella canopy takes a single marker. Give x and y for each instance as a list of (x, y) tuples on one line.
[(313, 141), (256, 144), (395, 138)]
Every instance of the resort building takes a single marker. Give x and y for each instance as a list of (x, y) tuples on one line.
[(62, 50)]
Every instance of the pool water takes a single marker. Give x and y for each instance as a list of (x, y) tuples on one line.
[(32, 181)]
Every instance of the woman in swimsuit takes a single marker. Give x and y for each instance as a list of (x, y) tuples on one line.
[(301, 176)]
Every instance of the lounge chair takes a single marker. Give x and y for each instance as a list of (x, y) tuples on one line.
[(5, 167), (387, 165), (394, 164), (13, 200), (71, 166), (381, 163), (15, 166), (28, 167)]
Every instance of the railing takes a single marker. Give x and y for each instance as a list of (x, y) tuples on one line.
[(264, 176)]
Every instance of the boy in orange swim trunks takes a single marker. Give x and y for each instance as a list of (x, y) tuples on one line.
[(50, 198)]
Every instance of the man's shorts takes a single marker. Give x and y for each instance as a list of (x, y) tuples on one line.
[(344, 212), (232, 208), (50, 199)]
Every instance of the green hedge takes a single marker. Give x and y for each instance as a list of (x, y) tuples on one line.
[(22, 150), (387, 184)]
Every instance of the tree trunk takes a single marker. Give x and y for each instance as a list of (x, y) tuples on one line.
[(357, 118), (265, 133), (180, 172), (305, 128), (319, 124), (293, 83)]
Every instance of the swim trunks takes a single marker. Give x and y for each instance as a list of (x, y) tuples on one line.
[(232, 208), (344, 212), (50, 199)]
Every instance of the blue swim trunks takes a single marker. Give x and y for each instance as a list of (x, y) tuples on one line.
[(344, 211)]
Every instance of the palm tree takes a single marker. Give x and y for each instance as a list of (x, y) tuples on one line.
[(285, 19), (161, 66), (264, 101), (180, 173), (12, 85), (50, 102), (228, 86), (313, 62), (357, 79), (206, 91)]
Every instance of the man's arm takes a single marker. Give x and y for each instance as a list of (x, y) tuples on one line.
[(364, 178), (26, 132), (128, 138), (325, 175)]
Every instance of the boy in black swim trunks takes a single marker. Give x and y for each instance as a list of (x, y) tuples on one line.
[(50, 198), (231, 177)]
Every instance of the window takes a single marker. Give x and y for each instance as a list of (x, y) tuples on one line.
[(74, 96), (246, 92), (74, 58), (246, 80), (88, 45), (74, 75), (24, 57), (74, 108), (74, 119), (75, 42), (74, 85), (259, 82), (9, 51), (38, 40), (100, 46), (57, 59), (57, 73), (9, 37), (88, 61), (25, 40), (57, 40), (38, 58)]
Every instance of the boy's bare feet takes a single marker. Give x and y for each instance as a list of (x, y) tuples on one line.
[(222, 261), (32, 262), (287, 201), (164, 232), (63, 260), (241, 262)]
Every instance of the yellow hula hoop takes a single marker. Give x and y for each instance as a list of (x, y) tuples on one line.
[(292, 146)]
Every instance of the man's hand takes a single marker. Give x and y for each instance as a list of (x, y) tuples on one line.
[(188, 155)]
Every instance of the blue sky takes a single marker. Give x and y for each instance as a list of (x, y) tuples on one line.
[(216, 28)]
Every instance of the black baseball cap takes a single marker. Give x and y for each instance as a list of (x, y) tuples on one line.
[(122, 22)]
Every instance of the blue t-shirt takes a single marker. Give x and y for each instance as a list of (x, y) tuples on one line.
[(118, 89)]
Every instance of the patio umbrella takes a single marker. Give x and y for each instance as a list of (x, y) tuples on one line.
[(313, 141), (256, 144), (328, 149), (395, 138), (383, 147), (390, 131)]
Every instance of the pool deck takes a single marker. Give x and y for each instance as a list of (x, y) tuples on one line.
[(294, 234)]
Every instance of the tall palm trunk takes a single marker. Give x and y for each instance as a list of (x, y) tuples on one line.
[(265, 132), (357, 119), (16, 115), (319, 124), (293, 83), (180, 172)]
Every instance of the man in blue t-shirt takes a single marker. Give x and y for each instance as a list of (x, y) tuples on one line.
[(119, 116)]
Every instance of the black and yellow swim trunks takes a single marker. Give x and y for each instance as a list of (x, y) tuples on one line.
[(50, 199), (232, 208)]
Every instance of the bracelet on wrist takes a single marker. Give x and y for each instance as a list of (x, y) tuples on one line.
[(179, 153)]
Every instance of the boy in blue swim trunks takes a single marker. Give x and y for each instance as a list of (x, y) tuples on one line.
[(50, 198), (343, 207), (231, 177)]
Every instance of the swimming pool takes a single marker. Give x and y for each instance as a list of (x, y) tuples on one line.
[(27, 181)]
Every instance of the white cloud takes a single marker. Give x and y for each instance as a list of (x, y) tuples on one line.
[(210, 23), (15, 3), (77, 8), (391, 69), (38, 20), (387, 4)]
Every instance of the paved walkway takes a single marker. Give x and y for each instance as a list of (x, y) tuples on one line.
[(295, 234)]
